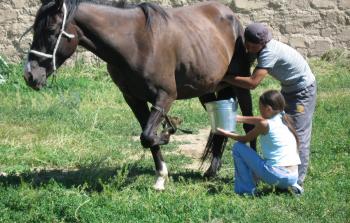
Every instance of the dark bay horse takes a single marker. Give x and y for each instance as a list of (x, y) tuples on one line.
[(153, 55)]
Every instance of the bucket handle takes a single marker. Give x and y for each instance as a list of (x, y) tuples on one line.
[(235, 104)]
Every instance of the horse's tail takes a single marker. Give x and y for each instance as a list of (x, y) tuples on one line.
[(215, 147)]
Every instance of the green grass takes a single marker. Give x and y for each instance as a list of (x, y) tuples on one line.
[(70, 156)]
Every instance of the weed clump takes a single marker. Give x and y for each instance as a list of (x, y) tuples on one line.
[(338, 56), (4, 70)]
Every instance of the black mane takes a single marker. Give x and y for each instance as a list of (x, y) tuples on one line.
[(48, 7)]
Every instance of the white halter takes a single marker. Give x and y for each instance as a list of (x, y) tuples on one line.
[(62, 32)]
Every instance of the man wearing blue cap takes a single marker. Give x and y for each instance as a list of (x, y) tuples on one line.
[(297, 81)]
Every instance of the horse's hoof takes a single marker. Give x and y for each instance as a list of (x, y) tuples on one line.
[(158, 188), (213, 169), (162, 177), (160, 183), (209, 174)]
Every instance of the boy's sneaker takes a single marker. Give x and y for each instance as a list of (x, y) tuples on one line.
[(297, 189)]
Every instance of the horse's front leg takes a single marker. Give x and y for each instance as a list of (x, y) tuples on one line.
[(142, 113), (161, 168), (149, 136)]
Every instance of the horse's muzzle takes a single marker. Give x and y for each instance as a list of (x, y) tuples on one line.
[(35, 78)]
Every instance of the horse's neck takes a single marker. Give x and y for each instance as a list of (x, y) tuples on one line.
[(103, 27)]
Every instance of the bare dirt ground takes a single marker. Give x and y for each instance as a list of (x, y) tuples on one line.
[(192, 145)]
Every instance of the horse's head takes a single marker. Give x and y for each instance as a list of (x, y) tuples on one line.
[(54, 40)]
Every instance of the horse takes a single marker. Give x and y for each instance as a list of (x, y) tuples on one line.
[(153, 54)]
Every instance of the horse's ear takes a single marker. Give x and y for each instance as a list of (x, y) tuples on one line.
[(47, 5), (59, 4), (45, 2)]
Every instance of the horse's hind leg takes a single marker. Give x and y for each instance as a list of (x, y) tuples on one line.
[(142, 113), (244, 99), (215, 144)]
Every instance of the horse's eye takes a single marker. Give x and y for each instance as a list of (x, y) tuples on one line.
[(51, 29)]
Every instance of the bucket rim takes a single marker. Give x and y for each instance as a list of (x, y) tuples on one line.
[(220, 101)]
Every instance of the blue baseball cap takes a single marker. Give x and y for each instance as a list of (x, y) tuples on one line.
[(257, 33)]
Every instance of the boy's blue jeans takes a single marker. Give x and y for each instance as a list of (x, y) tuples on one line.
[(247, 162)]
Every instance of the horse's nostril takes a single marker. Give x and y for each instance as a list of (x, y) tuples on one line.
[(28, 77)]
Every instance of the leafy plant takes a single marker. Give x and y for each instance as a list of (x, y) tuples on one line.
[(340, 57), (4, 70)]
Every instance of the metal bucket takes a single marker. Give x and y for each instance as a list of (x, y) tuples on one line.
[(222, 114)]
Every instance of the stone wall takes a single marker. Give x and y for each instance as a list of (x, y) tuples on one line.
[(311, 26)]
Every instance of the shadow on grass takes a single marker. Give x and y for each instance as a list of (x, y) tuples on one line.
[(187, 176), (268, 190), (214, 185), (217, 186), (93, 177)]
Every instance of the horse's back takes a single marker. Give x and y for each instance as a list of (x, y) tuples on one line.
[(209, 8), (203, 17)]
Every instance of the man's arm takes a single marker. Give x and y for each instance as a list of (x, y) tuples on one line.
[(250, 82)]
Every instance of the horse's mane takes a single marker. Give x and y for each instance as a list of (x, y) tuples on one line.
[(240, 51), (146, 7)]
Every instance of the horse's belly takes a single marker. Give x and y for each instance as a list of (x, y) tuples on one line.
[(189, 92), (195, 77), (140, 90), (133, 85), (197, 85), (148, 92)]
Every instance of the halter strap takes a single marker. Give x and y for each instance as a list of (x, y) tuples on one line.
[(62, 32), (161, 110), (169, 122), (41, 54)]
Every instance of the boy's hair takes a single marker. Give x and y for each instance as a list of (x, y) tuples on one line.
[(276, 100)]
